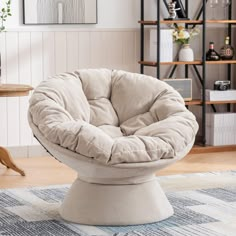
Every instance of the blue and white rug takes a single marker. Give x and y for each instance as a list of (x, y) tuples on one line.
[(204, 204)]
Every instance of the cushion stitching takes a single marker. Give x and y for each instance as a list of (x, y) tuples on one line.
[(142, 150)]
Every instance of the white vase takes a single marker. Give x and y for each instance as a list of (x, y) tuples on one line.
[(186, 53)]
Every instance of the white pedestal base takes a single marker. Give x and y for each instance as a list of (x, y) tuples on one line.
[(96, 204)]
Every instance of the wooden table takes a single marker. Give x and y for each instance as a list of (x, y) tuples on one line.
[(12, 90)]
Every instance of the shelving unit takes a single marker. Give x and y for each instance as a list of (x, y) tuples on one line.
[(158, 24), (201, 75)]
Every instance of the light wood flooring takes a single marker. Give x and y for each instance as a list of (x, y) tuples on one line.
[(47, 171)]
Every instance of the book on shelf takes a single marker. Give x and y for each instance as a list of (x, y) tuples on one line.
[(166, 45), (217, 95)]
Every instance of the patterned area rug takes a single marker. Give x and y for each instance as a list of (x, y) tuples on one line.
[(204, 204)]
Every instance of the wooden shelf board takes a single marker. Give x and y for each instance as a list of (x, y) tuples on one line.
[(197, 62), (148, 22), (182, 63), (181, 21), (199, 102), (221, 21), (154, 22), (197, 149), (221, 62), (148, 63), (153, 63), (193, 102), (220, 102)]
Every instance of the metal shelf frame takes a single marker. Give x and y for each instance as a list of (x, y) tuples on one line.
[(191, 23)]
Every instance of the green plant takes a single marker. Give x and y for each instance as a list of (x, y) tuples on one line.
[(4, 13)]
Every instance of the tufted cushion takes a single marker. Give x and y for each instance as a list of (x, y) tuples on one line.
[(113, 116)]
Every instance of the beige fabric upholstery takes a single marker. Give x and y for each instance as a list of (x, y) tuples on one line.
[(113, 116), (116, 129), (124, 204)]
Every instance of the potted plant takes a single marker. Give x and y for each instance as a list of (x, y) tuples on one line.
[(5, 11), (183, 37)]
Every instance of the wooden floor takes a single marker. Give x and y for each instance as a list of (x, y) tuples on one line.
[(48, 171)]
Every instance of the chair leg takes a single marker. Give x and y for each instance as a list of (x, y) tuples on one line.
[(1, 161), (6, 160)]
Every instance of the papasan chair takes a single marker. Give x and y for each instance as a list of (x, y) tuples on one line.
[(116, 129)]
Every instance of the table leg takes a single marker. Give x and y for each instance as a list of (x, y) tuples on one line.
[(6, 160)]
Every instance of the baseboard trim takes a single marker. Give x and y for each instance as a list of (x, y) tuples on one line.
[(28, 151), (208, 149)]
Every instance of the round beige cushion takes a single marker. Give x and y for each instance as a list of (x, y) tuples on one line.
[(113, 116)]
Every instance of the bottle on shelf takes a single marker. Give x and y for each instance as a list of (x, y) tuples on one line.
[(227, 51), (212, 55)]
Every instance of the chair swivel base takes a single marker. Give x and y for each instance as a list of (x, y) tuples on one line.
[(97, 204)]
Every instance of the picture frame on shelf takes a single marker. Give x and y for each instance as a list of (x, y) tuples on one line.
[(182, 85), (181, 13)]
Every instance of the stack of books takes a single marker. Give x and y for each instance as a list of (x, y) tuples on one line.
[(217, 95), (220, 129)]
